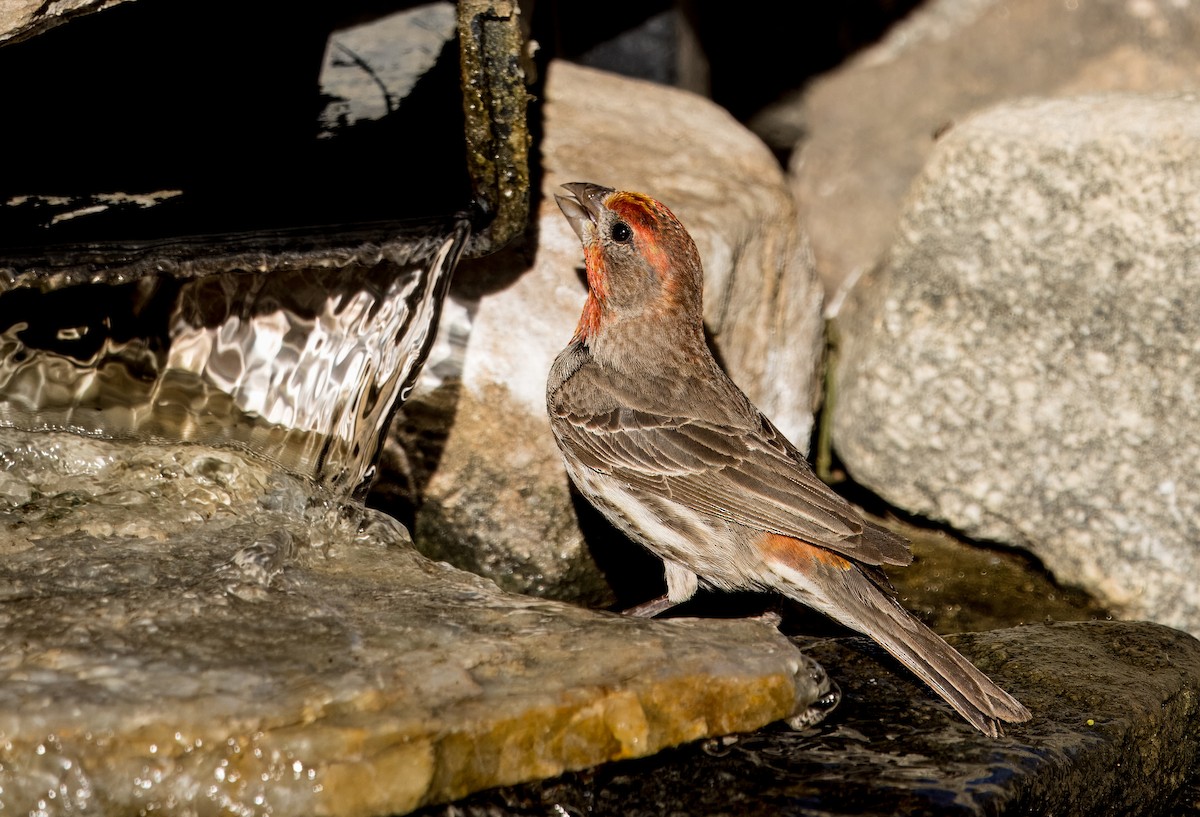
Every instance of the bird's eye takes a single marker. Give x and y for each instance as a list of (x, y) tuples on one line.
[(621, 232)]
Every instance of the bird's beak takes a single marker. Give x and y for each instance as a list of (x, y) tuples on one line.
[(583, 206)]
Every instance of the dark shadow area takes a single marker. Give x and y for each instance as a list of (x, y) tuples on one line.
[(762, 49), (753, 53), (411, 453), (218, 100)]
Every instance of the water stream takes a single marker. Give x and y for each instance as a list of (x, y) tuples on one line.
[(296, 349)]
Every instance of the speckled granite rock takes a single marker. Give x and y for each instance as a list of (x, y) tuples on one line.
[(1115, 732), (185, 632), (494, 495), (866, 128), (1025, 368)]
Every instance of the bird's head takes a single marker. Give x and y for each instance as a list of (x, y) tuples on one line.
[(642, 266)]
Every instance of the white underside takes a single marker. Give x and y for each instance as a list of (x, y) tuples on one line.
[(694, 547)]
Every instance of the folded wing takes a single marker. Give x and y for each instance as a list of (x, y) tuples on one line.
[(750, 475)]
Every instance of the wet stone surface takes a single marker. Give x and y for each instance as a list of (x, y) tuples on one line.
[(1114, 732), (185, 631)]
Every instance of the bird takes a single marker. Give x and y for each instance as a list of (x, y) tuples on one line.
[(665, 445)]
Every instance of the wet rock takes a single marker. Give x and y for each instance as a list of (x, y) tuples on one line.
[(869, 126), (184, 631), (1115, 731), (1025, 366), (496, 477)]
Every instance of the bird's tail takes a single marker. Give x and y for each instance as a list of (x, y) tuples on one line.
[(841, 590)]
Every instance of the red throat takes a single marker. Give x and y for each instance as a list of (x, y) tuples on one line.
[(593, 308), (589, 321)]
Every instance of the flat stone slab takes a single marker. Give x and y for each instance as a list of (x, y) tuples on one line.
[(1114, 731), (183, 631)]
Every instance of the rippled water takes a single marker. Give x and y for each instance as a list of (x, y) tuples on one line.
[(298, 356)]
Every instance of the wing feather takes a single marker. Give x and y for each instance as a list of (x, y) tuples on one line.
[(749, 475)]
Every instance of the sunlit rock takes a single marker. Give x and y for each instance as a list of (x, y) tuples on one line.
[(863, 131), (23, 18), (1025, 367), (185, 631), (1114, 731), (370, 67)]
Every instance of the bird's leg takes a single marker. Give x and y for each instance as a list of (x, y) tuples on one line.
[(681, 586), (681, 582), (649, 609)]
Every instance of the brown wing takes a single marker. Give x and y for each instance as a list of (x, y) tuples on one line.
[(749, 475)]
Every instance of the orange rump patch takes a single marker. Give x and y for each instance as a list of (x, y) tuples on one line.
[(798, 555)]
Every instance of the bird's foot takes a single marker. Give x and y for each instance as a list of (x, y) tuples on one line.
[(649, 609)]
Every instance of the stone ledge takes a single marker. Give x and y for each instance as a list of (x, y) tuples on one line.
[(185, 631)]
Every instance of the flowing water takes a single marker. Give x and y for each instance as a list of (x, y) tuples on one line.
[(297, 352), (184, 428)]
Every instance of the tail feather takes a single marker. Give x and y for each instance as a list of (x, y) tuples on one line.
[(850, 597), (959, 682)]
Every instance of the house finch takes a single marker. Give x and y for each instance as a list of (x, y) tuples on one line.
[(664, 444)]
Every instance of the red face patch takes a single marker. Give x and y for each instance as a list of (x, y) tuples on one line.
[(593, 309), (639, 211), (647, 218)]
